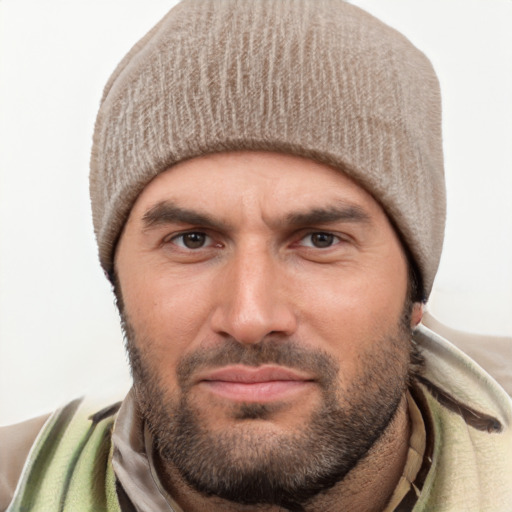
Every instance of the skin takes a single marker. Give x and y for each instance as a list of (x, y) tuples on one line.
[(262, 267)]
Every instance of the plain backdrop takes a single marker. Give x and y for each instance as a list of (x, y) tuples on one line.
[(59, 331)]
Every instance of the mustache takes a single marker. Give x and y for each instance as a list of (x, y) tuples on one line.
[(278, 352)]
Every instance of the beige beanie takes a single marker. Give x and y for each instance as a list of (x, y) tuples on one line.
[(315, 78)]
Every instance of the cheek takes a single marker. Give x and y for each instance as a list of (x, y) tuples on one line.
[(167, 314), (353, 309), (363, 335)]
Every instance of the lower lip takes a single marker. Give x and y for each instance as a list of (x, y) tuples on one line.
[(256, 391)]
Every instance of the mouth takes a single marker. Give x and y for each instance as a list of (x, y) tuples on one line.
[(267, 383)]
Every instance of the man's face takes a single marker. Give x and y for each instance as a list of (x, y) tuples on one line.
[(263, 298)]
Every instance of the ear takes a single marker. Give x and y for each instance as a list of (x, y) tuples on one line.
[(416, 314)]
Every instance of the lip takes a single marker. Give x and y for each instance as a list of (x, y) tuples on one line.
[(254, 384)]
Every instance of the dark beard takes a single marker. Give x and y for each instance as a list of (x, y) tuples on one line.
[(250, 466)]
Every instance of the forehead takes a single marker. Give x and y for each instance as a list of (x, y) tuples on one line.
[(272, 183)]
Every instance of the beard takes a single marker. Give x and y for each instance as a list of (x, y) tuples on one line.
[(247, 464)]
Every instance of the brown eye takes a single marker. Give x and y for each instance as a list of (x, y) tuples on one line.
[(193, 240), (322, 240)]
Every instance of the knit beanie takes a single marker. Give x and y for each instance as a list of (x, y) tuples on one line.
[(320, 79)]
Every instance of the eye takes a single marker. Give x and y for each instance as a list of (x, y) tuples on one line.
[(191, 240), (319, 240)]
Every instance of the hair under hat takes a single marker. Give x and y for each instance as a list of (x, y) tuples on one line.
[(320, 79)]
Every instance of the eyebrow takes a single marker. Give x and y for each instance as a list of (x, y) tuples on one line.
[(167, 212), (343, 212)]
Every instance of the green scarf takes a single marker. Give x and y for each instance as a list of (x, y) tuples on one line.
[(69, 467)]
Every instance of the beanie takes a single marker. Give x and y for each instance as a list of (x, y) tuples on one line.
[(321, 79)]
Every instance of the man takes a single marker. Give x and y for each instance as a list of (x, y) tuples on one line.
[(268, 199)]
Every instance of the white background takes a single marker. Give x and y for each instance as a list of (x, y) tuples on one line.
[(59, 333)]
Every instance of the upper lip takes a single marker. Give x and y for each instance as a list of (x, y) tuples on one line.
[(251, 375)]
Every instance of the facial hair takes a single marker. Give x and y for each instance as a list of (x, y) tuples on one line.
[(285, 468)]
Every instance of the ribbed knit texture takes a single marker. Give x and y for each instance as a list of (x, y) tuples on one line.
[(316, 78)]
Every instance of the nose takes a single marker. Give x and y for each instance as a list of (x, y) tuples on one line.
[(253, 300)]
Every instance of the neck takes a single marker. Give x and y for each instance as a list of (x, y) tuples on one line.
[(366, 488)]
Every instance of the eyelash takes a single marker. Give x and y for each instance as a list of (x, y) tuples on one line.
[(181, 236), (332, 239)]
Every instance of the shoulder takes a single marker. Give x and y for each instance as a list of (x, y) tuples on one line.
[(15, 443), (470, 417), (42, 455), (454, 373), (492, 353)]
